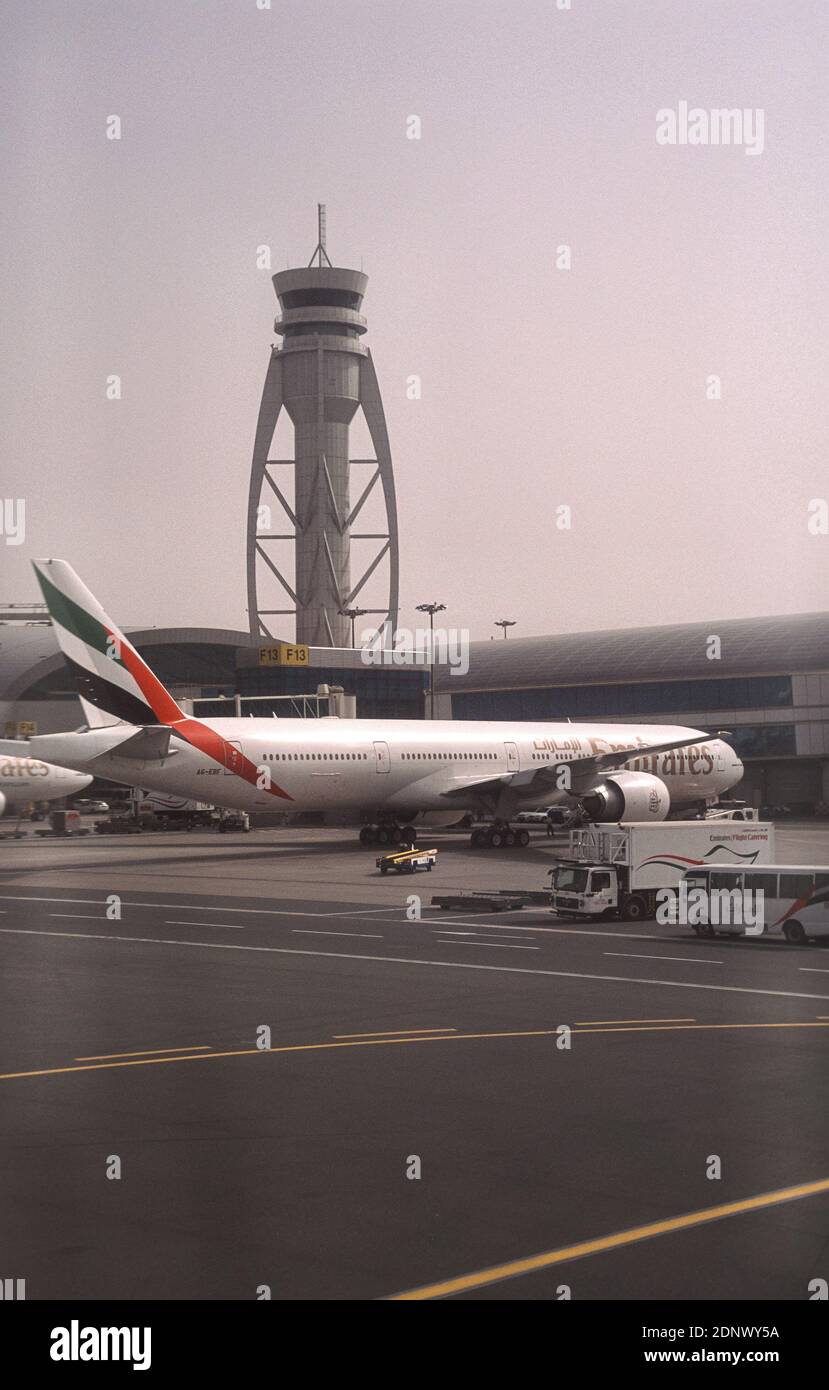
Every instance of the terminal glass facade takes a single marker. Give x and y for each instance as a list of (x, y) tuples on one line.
[(624, 701), (381, 693), (762, 740)]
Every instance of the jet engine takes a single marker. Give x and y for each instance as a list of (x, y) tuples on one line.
[(2, 803), (626, 796)]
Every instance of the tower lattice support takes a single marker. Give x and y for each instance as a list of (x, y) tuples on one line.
[(319, 375)]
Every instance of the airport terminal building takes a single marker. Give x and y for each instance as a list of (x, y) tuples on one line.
[(226, 672), (765, 680)]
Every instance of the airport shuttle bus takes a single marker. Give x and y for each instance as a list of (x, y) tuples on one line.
[(795, 902)]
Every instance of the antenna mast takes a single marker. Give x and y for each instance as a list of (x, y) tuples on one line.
[(320, 254)]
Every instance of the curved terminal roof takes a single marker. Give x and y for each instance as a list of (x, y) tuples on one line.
[(29, 654), (785, 645)]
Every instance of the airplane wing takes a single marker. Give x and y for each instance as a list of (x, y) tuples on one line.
[(585, 772)]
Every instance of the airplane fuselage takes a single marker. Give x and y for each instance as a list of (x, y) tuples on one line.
[(396, 766), (26, 780)]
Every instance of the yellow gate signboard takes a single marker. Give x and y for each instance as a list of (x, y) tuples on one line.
[(284, 654)]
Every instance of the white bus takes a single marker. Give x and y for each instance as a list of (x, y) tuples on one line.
[(795, 899)]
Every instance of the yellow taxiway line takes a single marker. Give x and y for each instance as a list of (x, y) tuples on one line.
[(147, 1052), (386, 1041), (603, 1022), (394, 1032), (464, 1282)]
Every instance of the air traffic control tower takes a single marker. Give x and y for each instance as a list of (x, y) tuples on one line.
[(320, 375)]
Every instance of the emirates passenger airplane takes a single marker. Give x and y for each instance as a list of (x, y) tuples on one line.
[(386, 774), (27, 780)]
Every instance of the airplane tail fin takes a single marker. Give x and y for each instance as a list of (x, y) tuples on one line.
[(114, 684)]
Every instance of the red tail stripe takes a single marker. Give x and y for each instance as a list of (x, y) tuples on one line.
[(161, 703), (214, 746), (206, 740)]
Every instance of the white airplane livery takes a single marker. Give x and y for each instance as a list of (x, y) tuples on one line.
[(26, 780), (386, 774)]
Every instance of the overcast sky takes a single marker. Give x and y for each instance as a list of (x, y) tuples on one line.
[(541, 387)]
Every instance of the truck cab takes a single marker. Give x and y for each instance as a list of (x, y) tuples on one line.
[(621, 870), (584, 891)]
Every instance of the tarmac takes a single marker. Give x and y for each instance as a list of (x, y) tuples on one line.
[(239, 1064)]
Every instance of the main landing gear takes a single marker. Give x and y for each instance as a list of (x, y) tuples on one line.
[(388, 835), (498, 836)]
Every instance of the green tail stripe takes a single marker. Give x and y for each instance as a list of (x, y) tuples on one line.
[(76, 619)]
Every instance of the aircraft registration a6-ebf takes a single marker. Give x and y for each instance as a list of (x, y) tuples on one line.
[(385, 774)]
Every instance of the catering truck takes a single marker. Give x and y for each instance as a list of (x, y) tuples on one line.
[(617, 870), (161, 810)]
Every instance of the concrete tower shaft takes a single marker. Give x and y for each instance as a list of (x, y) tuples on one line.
[(321, 374)]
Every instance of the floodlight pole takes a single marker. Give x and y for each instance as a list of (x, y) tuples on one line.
[(431, 609)]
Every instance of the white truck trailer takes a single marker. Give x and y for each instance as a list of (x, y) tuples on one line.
[(154, 809), (617, 870)]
